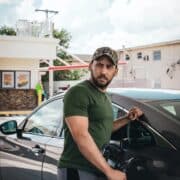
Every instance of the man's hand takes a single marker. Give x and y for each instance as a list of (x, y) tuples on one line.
[(134, 113), (116, 175)]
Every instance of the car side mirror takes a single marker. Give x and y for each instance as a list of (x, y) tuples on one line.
[(9, 127)]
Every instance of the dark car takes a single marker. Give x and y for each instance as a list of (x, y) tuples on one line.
[(147, 149)]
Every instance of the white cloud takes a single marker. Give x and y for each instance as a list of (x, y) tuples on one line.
[(124, 22), (138, 22), (107, 22), (145, 21), (5, 1), (26, 10), (140, 15)]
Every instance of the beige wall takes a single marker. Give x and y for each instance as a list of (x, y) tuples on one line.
[(27, 47), (153, 71), (22, 65), (24, 53)]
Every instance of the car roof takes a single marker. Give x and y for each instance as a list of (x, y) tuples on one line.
[(144, 94)]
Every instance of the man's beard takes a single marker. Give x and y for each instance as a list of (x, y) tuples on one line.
[(99, 84)]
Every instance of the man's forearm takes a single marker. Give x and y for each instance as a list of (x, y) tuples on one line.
[(120, 123), (78, 127), (91, 152)]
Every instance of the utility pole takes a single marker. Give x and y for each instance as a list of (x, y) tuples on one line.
[(48, 26), (47, 12)]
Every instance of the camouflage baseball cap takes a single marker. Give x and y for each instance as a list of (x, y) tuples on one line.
[(106, 51)]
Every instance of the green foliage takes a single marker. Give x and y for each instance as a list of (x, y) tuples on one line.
[(63, 36), (64, 40), (5, 30), (45, 78), (63, 55), (65, 74), (68, 75)]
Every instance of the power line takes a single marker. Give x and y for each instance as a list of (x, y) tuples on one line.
[(46, 11)]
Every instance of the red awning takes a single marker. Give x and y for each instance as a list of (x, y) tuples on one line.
[(71, 67)]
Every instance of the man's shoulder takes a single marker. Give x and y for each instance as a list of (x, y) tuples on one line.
[(82, 86), (79, 89)]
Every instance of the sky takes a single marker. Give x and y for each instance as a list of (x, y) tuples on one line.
[(95, 23)]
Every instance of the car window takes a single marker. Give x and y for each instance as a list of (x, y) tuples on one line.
[(172, 108), (143, 135), (168, 107), (136, 134), (139, 135), (46, 120), (118, 111)]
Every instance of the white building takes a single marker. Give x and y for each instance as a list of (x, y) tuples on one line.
[(155, 66), (20, 59)]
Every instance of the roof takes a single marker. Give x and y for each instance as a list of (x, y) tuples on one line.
[(152, 45), (84, 57), (28, 39)]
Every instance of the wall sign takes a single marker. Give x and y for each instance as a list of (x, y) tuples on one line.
[(22, 80), (7, 79)]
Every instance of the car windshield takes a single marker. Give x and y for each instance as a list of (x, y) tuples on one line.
[(171, 107)]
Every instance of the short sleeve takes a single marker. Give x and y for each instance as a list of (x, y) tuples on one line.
[(76, 102)]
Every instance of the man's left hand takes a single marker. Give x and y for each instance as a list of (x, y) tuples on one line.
[(134, 113)]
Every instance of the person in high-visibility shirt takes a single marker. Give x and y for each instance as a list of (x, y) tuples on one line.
[(39, 91)]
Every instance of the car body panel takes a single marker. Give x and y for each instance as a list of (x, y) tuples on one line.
[(54, 150), (19, 159), (150, 146), (31, 155)]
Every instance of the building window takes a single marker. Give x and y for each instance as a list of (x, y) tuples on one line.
[(146, 58), (139, 55), (127, 57), (157, 55)]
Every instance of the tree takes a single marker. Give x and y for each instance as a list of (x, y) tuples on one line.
[(5, 30), (63, 36), (67, 74), (64, 40)]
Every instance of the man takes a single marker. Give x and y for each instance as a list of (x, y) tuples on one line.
[(89, 122)]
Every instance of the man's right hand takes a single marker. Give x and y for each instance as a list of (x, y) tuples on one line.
[(116, 175)]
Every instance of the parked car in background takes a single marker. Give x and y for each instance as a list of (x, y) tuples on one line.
[(146, 149)]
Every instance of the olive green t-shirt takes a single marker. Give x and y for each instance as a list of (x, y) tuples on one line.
[(86, 100)]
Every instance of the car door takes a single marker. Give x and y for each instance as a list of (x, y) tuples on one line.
[(54, 148), (22, 157), (158, 157), (153, 156)]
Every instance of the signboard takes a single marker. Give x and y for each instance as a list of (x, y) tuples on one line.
[(22, 79), (7, 79)]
